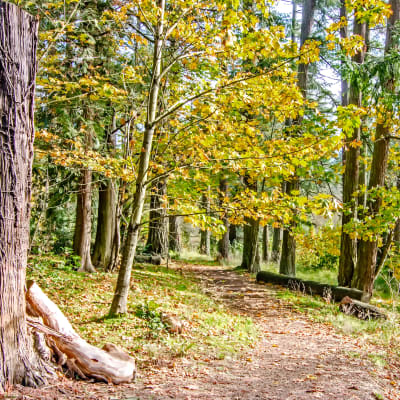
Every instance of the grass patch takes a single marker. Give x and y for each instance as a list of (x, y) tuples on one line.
[(211, 330)]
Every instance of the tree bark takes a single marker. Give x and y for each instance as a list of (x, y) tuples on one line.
[(18, 42), (205, 236), (106, 220), (83, 222), (157, 240), (251, 253), (348, 246), (223, 244), (119, 303), (276, 244), (366, 269), (175, 241), (265, 243), (232, 233)]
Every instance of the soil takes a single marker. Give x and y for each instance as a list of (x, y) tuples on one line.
[(294, 359)]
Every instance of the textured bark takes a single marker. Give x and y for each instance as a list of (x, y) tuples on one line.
[(276, 244), (251, 253), (360, 309), (106, 221), (83, 222), (18, 41), (119, 303), (175, 241), (348, 247), (366, 269), (223, 244), (265, 243), (205, 236), (157, 240)]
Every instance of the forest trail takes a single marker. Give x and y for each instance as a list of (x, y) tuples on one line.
[(295, 358)]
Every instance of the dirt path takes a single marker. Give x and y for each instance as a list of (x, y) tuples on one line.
[(294, 359)]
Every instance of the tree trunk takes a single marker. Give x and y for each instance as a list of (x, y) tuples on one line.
[(106, 220), (223, 244), (157, 240), (205, 236), (288, 256), (18, 41), (265, 240), (232, 233), (119, 303), (175, 241), (251, 253), (83, 222), (348, 246), (276, 244), (366, 269)]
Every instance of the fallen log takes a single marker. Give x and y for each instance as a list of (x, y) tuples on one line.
[(148, 259), (360, 310), (110, 364), (329, 292)]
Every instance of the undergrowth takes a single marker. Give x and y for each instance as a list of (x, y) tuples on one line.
[(210, 329)]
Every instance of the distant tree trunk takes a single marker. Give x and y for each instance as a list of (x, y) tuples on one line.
[(348, 247), (18, 42), (157, 240), (175, 241), (288, 257), (205, 236), (276, 244), (223, 244), (232, 233), (251, 253), (83, 222), (251, 229), (265, 240), (367, 268), (106, 220)]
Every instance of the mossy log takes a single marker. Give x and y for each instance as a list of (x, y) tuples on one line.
[(360, 310), (110, 364), (331, 292)]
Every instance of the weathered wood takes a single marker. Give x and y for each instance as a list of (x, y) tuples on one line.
[(109, 364), (148, 259), (360, 310), (334, 293)]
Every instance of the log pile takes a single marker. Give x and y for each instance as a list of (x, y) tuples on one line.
[(109, 364)]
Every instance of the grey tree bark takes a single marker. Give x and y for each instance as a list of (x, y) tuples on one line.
[(175, 241), (205, 236), (223, 244)]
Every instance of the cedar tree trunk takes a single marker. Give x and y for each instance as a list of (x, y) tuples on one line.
[(18, 41)]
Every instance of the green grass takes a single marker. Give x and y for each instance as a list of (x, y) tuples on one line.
[(211, 330)]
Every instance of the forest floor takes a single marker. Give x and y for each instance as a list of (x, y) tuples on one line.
[(295, 357)]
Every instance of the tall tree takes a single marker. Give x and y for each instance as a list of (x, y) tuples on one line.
[(367, 267), (288, 256), (348, 246), (18, 42)]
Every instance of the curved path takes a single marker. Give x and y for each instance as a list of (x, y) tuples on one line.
[(295, 358)]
